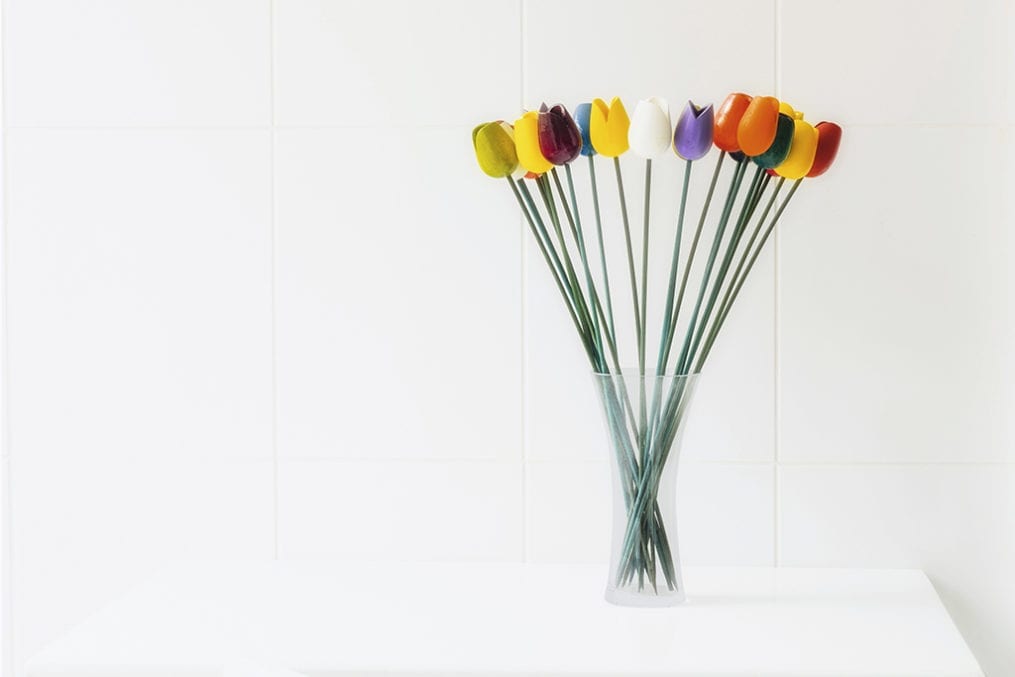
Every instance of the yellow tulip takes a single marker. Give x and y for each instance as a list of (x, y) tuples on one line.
[(801, 151), (495, 149), (787, 109), (527, 144), (608, 127), (519, 171)]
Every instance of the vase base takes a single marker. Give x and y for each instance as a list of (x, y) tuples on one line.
[(646, 599)]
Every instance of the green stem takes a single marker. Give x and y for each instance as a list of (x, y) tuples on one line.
[(649, 486), (651, 471), (583, 306), (558, 266), (690, 259), (598, 316), (574, 222), (643, 312), (738, 176), (644, 260), (543, 247), (746, 211), (627, 461), (630, 249), (750, 264), (740, 265), (602, 248), (670, 288), (633, 275), (664, 439)]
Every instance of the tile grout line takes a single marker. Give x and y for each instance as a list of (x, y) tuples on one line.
[(440, 460), (395, 125), (524, 310), (7, 548), (777, 386), (273, 278), (6, 499)]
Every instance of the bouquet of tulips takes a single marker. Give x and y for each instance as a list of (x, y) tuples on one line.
[(759, 133)]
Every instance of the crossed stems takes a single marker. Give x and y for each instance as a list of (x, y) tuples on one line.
[(642, 443)]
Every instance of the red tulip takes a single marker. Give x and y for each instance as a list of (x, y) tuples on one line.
[(829, 136)]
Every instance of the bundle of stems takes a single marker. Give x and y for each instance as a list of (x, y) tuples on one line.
[(751, 145)]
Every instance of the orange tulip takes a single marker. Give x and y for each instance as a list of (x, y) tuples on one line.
[(758, 126), (727, 119)]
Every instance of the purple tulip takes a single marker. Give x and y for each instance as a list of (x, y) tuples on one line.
[(560, 140), (693, 136)]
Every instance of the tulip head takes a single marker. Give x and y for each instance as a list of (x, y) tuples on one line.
[(527, 144), (758, 126), (727, 119), (608, 127), (829, 135), (519, 171), (582, 117), (801, 152), (560, 140), (787, 109), (777, 152), (650, 130), (495, 149), (692, 139)]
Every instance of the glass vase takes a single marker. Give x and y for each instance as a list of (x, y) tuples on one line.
[(645, 419)]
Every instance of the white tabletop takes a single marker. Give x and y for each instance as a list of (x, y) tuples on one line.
[(510, 620)]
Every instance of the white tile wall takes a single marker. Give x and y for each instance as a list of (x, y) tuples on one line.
[(679, 49), (139, 318), (894, 306), (139, 293), (398, 320), (1010, 64), (401, 510), (370, 63), (124, 63), (894, 61), (261, 303)]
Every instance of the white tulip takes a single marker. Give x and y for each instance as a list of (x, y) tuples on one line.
[(651, 133)]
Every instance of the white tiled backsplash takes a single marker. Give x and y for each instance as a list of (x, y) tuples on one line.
[(260, 301)]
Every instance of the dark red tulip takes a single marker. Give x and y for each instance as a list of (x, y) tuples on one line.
[(829, 136), (560, 140)]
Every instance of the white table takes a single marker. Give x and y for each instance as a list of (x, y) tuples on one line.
[(511, 620)]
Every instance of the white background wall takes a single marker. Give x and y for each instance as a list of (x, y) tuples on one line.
[(260, 301)]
